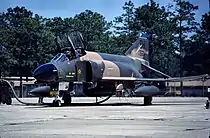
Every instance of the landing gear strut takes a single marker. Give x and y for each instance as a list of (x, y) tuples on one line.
[(66, 97), (148, 100)]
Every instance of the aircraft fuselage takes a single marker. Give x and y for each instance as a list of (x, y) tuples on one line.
[(90, 68)]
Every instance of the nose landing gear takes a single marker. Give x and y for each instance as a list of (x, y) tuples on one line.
[(66, 97), (56, 102)]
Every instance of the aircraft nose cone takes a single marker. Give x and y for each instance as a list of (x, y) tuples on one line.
[(46, 73)]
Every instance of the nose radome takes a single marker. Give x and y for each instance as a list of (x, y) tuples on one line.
[(46, 73)]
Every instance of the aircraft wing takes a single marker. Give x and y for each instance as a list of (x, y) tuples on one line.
[(133, 79), (176, 79), (190, 78)]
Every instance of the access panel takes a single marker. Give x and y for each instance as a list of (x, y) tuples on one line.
[(84, 71)]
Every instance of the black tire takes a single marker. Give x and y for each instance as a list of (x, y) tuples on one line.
[(9, 100), (53, 103), (67, 100), (0, 98), (56, 103), (148, 100), (4, 97)]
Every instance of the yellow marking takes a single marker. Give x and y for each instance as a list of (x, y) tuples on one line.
[(52, 93), (79, 71), (73, 73), (178, 92)]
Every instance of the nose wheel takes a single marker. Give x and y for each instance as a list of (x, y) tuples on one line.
[(66, 97), (56, 103), (148, 100)]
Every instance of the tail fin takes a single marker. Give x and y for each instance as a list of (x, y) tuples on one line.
[(139, 49)]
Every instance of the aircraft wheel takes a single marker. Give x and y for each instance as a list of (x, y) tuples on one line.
[(8, 101), (148, 100), (67, 100), (4, 98), (56, 103), (0, 98)]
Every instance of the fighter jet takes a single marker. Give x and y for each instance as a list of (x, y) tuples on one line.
[(98, 74)]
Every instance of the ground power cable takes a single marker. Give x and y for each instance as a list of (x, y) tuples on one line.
[(15, 95)]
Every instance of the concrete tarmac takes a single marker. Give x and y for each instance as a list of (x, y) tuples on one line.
[(168, 117)]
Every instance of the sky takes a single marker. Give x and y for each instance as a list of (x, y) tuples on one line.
[(69, 8)]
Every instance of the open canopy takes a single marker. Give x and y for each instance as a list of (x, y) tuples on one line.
[(72, 44)]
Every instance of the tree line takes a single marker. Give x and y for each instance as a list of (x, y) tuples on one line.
[(28, 40)]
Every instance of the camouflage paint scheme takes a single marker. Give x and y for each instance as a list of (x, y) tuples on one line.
[(110, 65), (103, 74), (107, 70)]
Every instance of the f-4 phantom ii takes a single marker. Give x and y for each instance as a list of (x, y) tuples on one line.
[(98, 74)]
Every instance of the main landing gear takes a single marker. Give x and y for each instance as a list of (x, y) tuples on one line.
[(5, 94), (148, 100), (67, 99), (5, 99)]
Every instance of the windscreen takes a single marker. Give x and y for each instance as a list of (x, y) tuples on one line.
[(59, 58)]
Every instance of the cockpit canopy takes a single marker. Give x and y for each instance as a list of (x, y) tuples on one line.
[(72, 45), (60, 57)]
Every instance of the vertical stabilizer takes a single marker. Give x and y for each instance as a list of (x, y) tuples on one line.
[(139, 49)]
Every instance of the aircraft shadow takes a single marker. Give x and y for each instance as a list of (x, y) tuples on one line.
[(87, 104), (47, 105)]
